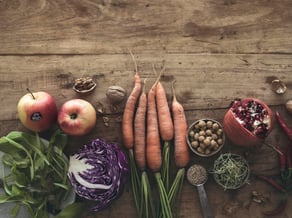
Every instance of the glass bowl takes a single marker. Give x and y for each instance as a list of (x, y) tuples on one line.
[(231, 171)]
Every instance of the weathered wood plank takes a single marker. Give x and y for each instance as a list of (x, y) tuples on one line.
[(216, 50), (101, 27), (205, 84), (202, 81)]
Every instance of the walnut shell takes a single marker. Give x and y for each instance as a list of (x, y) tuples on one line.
[(84, 85), (116, 94)]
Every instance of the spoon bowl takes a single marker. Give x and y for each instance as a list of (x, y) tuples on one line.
[(197, 176)]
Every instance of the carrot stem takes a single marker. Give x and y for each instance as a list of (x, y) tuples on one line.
[(147, 195), (135, 180), (144, 198), (165, 165), (166, 209), (176, 186)]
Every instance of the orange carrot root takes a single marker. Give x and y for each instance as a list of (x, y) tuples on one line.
[(140, 130), (153, 147), (181, 150), (129, 111), (164, 116)]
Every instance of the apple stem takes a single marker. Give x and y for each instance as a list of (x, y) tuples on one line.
[(30, 93)]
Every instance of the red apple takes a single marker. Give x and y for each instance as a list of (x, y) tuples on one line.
[(37, 111), (77, 117)]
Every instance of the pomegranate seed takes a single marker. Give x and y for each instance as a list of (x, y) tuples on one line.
[(251, 115)]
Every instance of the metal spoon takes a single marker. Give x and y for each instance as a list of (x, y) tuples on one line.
[(197, 175)]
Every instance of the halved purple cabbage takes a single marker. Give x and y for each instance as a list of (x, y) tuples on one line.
[(98, 172)]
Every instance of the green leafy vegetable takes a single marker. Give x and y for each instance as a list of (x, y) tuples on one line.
[(34, 173), (73, 211)]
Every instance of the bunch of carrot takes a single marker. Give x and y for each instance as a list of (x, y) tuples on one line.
[(147, 120)]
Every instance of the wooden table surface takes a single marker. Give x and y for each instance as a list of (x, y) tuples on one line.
[(216, 50)]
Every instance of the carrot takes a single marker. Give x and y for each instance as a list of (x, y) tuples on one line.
[(166, 130), (153, 150), (128, 135), (164, 116), (140, 130), (146, 199), (181, 150), (129, 111)]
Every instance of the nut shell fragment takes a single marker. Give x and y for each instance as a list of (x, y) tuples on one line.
[(84, 85), (278, 86)]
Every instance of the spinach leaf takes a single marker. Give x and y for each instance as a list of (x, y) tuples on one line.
[(74, 210), (59, 140), (15, 160), (29, 141), (36, 174), (10, 142)]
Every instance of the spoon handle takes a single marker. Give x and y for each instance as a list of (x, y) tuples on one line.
[(207, 210)]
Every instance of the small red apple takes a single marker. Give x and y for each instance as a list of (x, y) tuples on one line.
[(37, 111), (77, 117)]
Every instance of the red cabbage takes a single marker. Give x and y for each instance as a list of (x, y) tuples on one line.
[(98, 172)]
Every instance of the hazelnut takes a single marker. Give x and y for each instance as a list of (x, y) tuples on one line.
[(214, 136), (215, 126), (208, 132), (200, 150), (207, 141), (220, 141), (192, 133), (202, 124), (202, 133), (209, 124), (195, 144), (201, 138), (196, 136)]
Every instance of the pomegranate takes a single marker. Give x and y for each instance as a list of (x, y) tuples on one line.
[(248, 122)]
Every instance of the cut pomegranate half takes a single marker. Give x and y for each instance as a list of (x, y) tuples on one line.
[(248, 122)]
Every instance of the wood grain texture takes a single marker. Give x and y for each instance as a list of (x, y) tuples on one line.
[(99, 27), (203, 81), (216, 50)]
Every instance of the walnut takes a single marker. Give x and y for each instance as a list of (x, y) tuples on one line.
[(116, 94), (84, 84)]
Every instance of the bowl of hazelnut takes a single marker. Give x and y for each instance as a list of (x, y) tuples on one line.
[(205, 137)]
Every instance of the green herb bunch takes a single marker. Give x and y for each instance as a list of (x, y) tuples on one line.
[(34, 173)]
